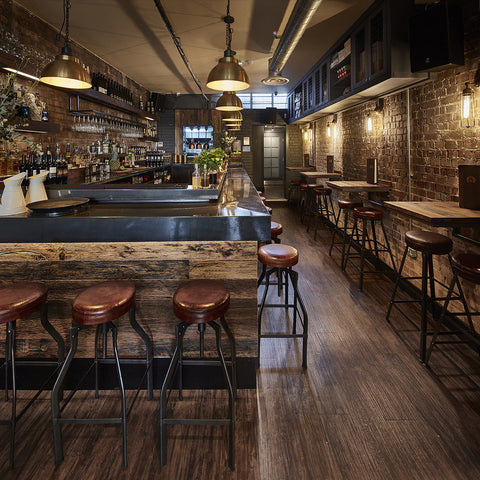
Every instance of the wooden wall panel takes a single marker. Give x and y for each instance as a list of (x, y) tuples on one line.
[(156, 269)]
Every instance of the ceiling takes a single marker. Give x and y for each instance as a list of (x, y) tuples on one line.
[(131, 36)]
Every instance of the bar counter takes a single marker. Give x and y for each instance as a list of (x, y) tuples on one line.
[(156, 246)]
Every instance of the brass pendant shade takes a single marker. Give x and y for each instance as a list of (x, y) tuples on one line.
[(65, 71), (229, 102), (232, 117), (228, 75)]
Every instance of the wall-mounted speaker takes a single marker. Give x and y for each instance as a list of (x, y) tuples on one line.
[(270, 116), (436, 37)]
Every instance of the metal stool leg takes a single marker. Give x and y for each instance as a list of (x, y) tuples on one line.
[(56, 415), (149, 350), (397, 282), (11, 327), (179, 332), (122, 392), (233, 352), (231, 398)]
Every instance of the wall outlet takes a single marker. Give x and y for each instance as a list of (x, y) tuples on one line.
[(412, 253)]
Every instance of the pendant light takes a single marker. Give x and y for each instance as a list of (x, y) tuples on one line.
[(229, 102), (228, 75), (232, 117), (65, 71)]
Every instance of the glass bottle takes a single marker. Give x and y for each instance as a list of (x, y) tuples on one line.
[(196, 180)]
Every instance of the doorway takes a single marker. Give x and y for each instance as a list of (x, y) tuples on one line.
[(274, 161)]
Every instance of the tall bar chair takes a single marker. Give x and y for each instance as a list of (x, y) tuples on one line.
[(200, 302), (99, 305), (279, 259), (324, 211), (17, 302), (465, 266), (345, 207), (428, 244), (369, 245)]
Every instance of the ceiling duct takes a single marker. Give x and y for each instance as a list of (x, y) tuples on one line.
[(297, 23)]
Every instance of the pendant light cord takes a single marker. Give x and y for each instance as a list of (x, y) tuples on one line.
[(176, 41), (228, 19)]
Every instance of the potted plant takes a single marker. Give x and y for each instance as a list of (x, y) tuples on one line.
[(209, 161)]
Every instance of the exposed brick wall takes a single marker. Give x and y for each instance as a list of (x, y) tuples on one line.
[(39, 39), (438, 145)]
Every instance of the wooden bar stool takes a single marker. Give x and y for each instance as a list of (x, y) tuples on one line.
[(345, 206), (200, 302), (467, 267), (276, 230), (100, 305), (17, 301), (323, 208), (307, 200), (374, 216), (281, 258), (293, 195), (429, 244)]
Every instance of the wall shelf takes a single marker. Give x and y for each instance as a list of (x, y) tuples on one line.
[(32, 126)]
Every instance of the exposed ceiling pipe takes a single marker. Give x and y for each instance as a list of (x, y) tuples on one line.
[(176, 41), (301, 15)]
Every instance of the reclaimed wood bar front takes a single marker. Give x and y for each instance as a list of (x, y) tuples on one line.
[(135, 243)]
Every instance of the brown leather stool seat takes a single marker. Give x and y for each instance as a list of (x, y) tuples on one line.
[(21, 299), (276, 229), (201, 301), (303, 186), (320, 190), (263, 199), (350, 204), (278, 255), (430, 242), (280, 259), (295, 181), (467, 267), (99, 305), (260, 193), (103, 302), (360, 239), (270, 210), (368, 213), (17, 301)]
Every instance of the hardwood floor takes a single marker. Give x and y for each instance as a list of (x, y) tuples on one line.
[(365, 408)]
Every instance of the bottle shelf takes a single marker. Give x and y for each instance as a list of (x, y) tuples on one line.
[(33, 126)]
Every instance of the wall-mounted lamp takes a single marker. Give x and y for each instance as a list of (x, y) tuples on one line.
[(329, 130), (468, 105), (332, 127), (374, 113)]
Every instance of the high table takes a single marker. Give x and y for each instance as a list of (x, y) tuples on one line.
[(358, 186), (438, 214), (310, 174)]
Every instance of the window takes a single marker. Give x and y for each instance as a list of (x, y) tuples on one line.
[(259, 100)]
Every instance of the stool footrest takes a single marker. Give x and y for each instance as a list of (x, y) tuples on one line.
[(197, 421), (281, 335), (205, 362), (85, 421)]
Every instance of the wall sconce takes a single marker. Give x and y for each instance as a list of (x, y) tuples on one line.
[(375, 113), (468, 105), (332, 126)]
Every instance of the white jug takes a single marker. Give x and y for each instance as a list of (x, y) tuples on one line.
[(13, 201), (36, 190)]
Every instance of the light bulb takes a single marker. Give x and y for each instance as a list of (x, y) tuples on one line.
[(466, 107), (369, 123)]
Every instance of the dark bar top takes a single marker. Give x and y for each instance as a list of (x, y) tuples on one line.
[(239, 214)]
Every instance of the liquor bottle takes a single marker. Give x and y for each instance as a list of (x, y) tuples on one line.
[(64, 167), (140, 104), (196, 179), (52, 170), (45, 114)]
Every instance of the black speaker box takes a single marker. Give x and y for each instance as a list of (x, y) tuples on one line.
[(436, 37), (270, 116)]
